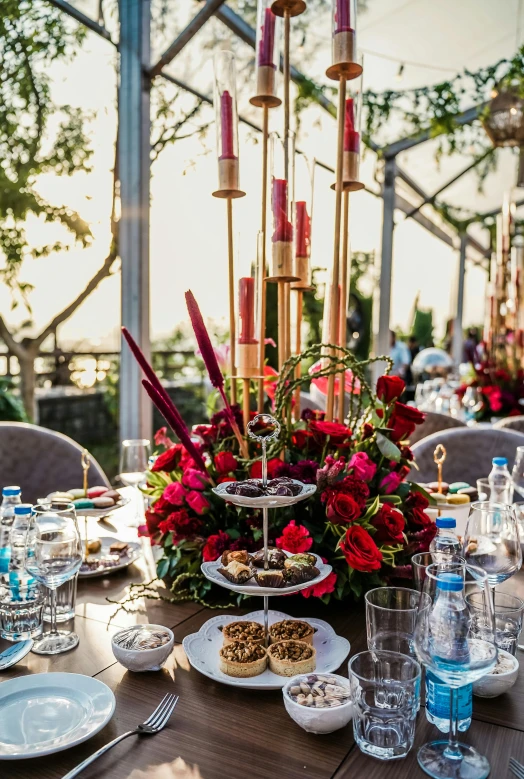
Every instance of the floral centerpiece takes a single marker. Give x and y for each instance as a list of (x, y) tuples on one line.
[(499, 391), (365, 519)]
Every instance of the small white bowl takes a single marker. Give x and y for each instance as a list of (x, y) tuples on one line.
[(143, 659), (318, 721), (492, 685)]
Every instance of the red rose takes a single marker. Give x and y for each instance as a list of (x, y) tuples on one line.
[(152, 521), (207, 433), (162, 507), (274, 467), (367, 431), (342, 508), (339, 435), (389, 388), (300, 438), (225, 462), (295, 538), (181, 525), (389, 524), (215, 545), (414, 507), (360, 551), (350, 485), (168, 460), (404, 420)]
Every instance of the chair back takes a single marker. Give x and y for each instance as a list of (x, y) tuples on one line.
[(434, 423), (469, 453), (41, 461), (510, 423)]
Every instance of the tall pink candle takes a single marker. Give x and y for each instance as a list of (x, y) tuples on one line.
[(226, 123), (303, 229), (351, 136), (267, 40), (246, 307), (343, 16), (283, 227)]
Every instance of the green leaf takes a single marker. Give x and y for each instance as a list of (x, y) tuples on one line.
[(233, 533), (387, 448), (372, 510), (157, 479), (162, 567), (395, 500)]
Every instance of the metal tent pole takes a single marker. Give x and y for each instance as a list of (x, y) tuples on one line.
[(134, 174), (458, 337), (386, 264)]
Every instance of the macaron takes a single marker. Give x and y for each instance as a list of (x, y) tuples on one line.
[(60, 496), (77, 493), (439, 497), (472, 492), (103, 502), (458, 485), (457, 500), (116, 496), (95, 492), (433, 486), (83, 503)]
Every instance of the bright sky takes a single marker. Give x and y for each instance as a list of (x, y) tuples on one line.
[(188, 229)]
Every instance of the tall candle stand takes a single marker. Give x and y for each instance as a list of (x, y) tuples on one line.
[(228, 175), (268, 58)]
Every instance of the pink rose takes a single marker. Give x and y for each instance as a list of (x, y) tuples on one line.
[(363, 467), (197, 502), (175, 493), (390, 483), (194, 479)]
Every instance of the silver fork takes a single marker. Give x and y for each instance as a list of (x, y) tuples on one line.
[(154, 724), (516, 767)]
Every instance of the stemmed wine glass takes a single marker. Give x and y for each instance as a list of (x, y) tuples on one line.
[(517, 474), (53, 555), (134, 456), (491, 540), (446, 645)]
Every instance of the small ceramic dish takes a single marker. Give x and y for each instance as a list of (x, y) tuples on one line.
[(318, 720), (494, 684), (141, 659)]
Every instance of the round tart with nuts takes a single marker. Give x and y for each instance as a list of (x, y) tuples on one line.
[(243, 631), (291, 630), (288, 658), (243, 659)]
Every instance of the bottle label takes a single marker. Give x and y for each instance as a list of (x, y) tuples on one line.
[(438, 695)]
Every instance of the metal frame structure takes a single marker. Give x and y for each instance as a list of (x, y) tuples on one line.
[(136, 75)]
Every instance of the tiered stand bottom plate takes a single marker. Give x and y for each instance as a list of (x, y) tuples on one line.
[(202, 650)]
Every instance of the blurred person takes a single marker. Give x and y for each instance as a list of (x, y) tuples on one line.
[(470, 351), (414, 348), (400, 354)]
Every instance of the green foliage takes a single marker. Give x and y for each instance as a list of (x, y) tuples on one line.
[(422, 327), (34, 35), (11, 408)]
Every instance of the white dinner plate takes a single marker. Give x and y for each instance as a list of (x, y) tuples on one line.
[(202, 650), (45, 713), (134, 552), (265, 501)]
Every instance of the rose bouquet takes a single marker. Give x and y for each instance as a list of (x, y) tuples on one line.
[(365, 519), (499, 392)]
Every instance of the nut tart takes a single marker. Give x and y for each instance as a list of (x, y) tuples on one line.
[(243, 630), (289, 658), (291, 630), (243, 659)]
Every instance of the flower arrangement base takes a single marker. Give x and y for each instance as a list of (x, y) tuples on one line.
[(202, 650)]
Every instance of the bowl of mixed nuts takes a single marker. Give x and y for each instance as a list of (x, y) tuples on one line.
[(319, 703), (143, 647)]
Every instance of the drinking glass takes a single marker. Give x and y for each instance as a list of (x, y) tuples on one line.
[(385, 691), (391, 614), (21, 607), (508, 610), (53, 555), (517, 474), (491, 540), (419, 563), (134, 459), (444, 759), (483, 489)]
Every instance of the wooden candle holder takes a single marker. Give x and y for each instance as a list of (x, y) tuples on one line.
[(228, 179), (288, 7), (247, 361), (282, 262), (344, 56), (266, 88), (303, 271)]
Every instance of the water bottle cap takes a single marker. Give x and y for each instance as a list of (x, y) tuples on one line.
[(450, 582), (446, 522), (9, 492), (23, 509), (499, 461)]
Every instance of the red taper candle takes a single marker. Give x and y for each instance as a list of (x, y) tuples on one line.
[(246, 308), (343, 16), (267, 40), (303, 226), (226, 124), (283, 227)]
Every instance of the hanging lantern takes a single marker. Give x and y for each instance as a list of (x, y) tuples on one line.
[(504, 122)]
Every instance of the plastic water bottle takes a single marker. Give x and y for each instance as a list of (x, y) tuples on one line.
[(500, 481), (18, 537), (450, 621), (10, 498), (445, 544)]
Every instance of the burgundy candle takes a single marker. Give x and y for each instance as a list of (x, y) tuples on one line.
[(343, 16), (246, 308), (283, 227), (303, 229), (351, 136), (226, 123), (267, 40)]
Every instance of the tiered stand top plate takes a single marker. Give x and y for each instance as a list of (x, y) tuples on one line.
[(210, 571), (268, 501), (202, 650)]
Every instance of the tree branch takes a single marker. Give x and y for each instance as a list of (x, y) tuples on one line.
[(13, 346)]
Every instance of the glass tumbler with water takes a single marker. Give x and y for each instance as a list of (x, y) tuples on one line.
[(491, 540)]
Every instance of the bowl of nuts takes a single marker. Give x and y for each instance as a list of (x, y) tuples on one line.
[(319, 703), (143, 647)]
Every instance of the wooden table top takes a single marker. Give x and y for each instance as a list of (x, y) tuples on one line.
[(219, 731)]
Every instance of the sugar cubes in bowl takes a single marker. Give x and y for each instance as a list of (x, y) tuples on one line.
[(143, 647), (319, 703)]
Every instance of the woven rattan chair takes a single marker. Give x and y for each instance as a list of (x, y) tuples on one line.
[(469, 453), (511, 423), (434, 423), (41, 461)]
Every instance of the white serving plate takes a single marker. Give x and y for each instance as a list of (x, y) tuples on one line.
[(100, 513), (202, 650), (45, 713), (266, 502), (134, 553), (210, 571)]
